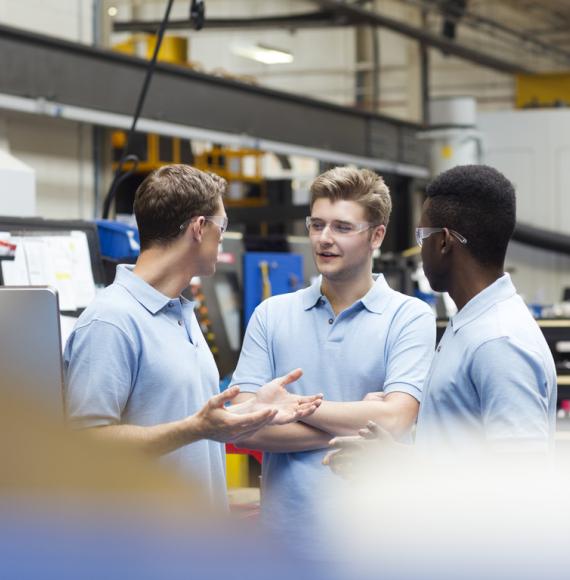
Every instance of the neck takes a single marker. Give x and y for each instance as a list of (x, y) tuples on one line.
[(343, 293), (470, 280), (165, 269)]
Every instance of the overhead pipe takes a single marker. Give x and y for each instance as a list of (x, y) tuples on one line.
[(542, 239)]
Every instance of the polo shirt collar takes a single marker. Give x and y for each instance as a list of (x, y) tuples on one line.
[(149, 297), (375, 300), (312, 294), (502, 289)]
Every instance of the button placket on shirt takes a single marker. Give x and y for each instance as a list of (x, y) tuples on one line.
[(323, 303), (335, 326), (186, 317), (337, 323), (328, 314), (174, 311)]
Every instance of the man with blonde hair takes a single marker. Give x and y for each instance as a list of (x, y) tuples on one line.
[(352, 335), (138, 369)]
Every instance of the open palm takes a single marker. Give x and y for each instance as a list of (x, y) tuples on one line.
[(274, 395)]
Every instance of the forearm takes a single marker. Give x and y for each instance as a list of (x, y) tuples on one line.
[(286, 439), (155, 440), (346, 418)]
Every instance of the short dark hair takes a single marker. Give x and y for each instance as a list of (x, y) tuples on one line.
[(172, 195), (480, 203), (360, 185)]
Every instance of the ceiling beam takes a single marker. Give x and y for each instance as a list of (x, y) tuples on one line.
[(57, 78), (320, 19)]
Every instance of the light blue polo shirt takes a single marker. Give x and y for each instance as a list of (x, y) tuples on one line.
[(138, 357), (493, 378), (385, 341)]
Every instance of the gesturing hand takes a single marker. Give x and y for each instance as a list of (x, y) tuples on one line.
[(274, 395), (217, 423)]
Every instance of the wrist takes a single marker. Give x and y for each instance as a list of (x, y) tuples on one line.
[(192, 429), (314, 419)]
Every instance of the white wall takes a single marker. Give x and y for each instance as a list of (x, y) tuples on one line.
[(60, 152), (69, 19), (532, 148)]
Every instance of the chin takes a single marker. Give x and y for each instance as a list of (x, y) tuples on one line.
[(326, 270), (335, 275), (436, 285)]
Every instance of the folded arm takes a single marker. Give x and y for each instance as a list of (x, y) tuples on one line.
[(396, 412), (410, 354)]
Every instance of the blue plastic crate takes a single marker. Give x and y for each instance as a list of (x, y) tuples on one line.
[(118, 240)]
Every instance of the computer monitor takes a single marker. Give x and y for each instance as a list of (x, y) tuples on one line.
[(30, 346), (63, 254)]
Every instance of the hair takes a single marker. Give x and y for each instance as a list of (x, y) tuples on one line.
[(172, 195), (480, 203), (360, 185)]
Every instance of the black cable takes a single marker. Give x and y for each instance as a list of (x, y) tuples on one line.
[(118, 178)]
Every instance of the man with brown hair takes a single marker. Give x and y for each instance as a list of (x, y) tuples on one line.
[(352, 335), (138, 369)]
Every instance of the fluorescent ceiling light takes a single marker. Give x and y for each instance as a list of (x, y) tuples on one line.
[(264, 54)]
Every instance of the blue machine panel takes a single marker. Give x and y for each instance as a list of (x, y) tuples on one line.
[(268, 274)]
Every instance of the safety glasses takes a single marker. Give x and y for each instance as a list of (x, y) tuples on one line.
[(220, 220), (424, 233), (317, 226)]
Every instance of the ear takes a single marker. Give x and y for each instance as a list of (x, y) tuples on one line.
[(446, 242), (377, 237), (196, 229)]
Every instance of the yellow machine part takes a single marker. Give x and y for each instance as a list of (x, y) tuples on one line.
[(237, 470), (543, 90), (126, 47), (174, 49), (229, 163), (152, 160)]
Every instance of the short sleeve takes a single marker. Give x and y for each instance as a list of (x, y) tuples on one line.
[(513, 390), (255, 365), (100, 368), (410, 355)]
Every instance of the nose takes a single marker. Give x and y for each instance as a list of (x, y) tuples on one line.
[(325, 235)]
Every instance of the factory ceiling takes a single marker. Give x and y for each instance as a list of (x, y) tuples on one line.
[(506, 35)]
